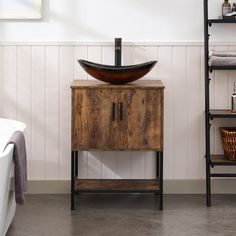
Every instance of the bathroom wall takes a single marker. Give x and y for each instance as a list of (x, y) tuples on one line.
[(35, 88), (134, 20), (38, 63)]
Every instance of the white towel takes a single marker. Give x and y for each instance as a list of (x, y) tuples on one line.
[(222, 61), (223, 53)]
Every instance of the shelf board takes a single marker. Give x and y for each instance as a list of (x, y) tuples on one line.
[(98, 185), (222, 114), (221, 160), (211, 68), (221, 21)]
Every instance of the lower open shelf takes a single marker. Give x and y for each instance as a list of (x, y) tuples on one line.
[(221, 160), (98, 185)]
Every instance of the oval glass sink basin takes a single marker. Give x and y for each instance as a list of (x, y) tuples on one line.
[(117, 75)]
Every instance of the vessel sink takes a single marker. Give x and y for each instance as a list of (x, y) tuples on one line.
[(117, 74)]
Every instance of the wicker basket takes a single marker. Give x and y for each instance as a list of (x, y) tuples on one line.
[(228, 137)]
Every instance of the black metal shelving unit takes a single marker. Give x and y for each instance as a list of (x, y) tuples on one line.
[(213, 160)]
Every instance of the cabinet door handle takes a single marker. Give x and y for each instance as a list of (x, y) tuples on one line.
[(121, 111), (113, 111)]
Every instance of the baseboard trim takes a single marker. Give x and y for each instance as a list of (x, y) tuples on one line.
[(219, 186)]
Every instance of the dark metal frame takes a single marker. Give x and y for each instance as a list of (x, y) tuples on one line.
[(208, 116), (74, 176)]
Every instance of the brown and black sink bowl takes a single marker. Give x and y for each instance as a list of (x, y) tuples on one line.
[(117, 75)]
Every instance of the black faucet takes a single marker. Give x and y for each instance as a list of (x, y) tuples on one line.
[(118, 51)]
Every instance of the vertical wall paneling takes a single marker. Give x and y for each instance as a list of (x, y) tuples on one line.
[(202, 119), (152, 54), (80, 52), (66, 73), (108, 165), (38, 113), (126, 55), (1, 81), (165, 65), (108, 55), (180, 112), (123, 165), (95, 165), (9, 67), (35, 88), (52, 113), (194, 109), (23, 94), (95, 55), (138, 165)]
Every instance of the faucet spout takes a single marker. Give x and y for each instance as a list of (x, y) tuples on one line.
[(118, 51)]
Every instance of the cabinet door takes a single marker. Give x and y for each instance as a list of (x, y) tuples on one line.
[(93, 124), (141, 124)]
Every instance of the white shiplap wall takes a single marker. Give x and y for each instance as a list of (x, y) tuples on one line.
[(35, 88)]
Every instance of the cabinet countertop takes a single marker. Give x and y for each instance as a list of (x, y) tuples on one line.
[(142, 84)]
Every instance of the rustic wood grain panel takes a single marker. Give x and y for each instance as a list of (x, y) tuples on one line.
[(140, 127), (117, 184), (92, 122), (140, 84), (117, 119)]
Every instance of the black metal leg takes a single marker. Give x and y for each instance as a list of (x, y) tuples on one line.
[(208, 183), (157, 168), (76, 163), (72, 180), (161, 180), (208, 161)]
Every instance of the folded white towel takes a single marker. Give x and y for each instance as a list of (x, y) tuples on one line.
[(223, 53), (222, 61)]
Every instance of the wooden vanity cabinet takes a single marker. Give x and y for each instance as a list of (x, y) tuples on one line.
[(117, 118), (112, 117)]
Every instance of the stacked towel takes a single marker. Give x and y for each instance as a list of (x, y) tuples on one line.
[(222, 58)]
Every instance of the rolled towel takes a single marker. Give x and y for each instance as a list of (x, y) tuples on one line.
[(20, 164), (222, 61), (223, 53)]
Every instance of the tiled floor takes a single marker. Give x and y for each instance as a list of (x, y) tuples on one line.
[(121, 215)]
